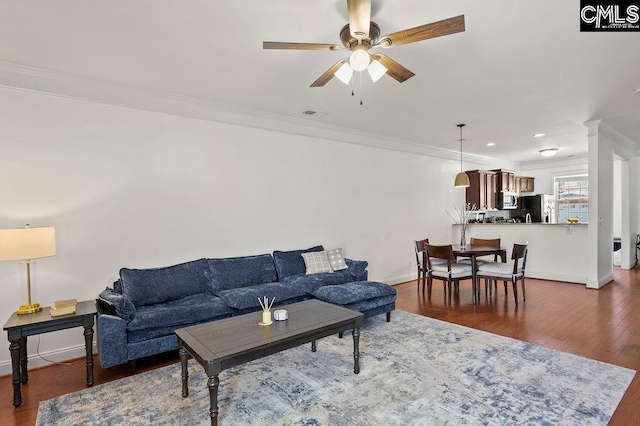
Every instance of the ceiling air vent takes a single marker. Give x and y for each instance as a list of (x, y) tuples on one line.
[(314, 113)]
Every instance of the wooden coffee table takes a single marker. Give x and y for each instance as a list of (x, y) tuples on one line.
[(225, 343)]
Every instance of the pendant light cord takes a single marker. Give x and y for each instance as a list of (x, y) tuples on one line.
[(461, 126)]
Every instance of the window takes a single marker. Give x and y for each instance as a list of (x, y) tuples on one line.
[(572, 198)]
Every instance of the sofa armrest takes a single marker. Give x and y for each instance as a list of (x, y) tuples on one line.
[(357, 269), (111, 338)]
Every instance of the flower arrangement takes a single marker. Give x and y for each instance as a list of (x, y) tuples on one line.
[(462, 218)]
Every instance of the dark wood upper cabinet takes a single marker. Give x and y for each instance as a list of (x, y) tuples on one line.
[(485, 185), (526, 184), (506, 180), (482, 189)]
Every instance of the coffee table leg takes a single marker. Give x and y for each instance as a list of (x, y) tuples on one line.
[(184, 357), (313, 346), (14, 348), (356, 350), (88, 343), (213, 382)]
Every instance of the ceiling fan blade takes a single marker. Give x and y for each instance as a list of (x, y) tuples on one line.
[(394, 69), (328, 74), (424, 32), (359, 17), (300, 46)]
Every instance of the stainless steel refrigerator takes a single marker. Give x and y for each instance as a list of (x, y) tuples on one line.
[(541, 207)]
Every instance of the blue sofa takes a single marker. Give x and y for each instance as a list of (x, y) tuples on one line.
[(137, 317)]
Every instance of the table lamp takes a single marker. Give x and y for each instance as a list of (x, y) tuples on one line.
[(27, 244)]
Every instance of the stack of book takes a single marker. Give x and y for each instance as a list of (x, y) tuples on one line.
[(63, 307)]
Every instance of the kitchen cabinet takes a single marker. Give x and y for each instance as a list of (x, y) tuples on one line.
[(482, 189), (506, 180), (526, 184)]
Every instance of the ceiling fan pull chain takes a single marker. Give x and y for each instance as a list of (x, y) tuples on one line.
[(360, 89)]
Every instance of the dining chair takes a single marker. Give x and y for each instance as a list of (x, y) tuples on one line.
[(420, 247), (507, 271), (441, 265), (494, 243)]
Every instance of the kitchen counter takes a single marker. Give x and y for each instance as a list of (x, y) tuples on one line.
[(557, 251)]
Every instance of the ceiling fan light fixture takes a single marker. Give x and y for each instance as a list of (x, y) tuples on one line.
[(549, 152), (359, 60), (376, 70), (344, 73)]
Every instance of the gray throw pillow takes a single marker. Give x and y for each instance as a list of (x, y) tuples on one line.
[(336, 259), (317, 262)]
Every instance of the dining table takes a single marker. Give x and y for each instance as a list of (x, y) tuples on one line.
[(473, 252)]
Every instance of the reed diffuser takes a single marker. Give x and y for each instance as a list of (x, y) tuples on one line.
[(266, 310)]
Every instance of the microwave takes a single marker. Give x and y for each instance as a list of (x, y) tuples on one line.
[(507, 201)]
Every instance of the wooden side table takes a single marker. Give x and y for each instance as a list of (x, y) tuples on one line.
[(19, 327)]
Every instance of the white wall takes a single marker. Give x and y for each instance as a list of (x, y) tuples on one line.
[(545, 171), (129, 188)]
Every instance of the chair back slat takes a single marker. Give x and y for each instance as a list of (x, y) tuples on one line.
[(419, 247), (494, 242), (519, 256), (440, 252)]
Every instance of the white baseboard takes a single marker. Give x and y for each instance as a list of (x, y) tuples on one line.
[(57, 355), (580, 279), (399, 279), (600, 282)]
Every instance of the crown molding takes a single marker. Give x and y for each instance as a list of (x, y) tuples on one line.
[(73, 86)]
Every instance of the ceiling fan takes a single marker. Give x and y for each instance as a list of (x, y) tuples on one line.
[(360, 35)]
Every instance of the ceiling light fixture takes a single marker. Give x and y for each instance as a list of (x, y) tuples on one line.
[(360, 60), (548, 152), (344, 73), (491, 144), (376, 70), (462, 180), (539, 135)]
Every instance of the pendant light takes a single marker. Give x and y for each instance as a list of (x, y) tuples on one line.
[(462, 180)]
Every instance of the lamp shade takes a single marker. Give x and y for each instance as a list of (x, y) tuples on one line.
[(27, 243), (376, 70), (344, 73), (462, 180)]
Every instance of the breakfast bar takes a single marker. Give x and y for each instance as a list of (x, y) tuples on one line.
[(557, 251)]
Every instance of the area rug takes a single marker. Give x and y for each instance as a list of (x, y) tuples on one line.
[(414, 371)]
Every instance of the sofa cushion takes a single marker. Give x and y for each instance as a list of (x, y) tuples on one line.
[(316, 262), (234, 272), (357, 269), (336, 259), (345, 294), (122, 306), (310, 283), (247, 297), (157, 285), (177, 313), (290, 262)]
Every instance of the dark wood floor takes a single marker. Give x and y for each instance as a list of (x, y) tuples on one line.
[(603, 325)]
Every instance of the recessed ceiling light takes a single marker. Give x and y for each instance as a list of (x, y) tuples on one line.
[(491, 144), (539, 135), (549, 152)]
